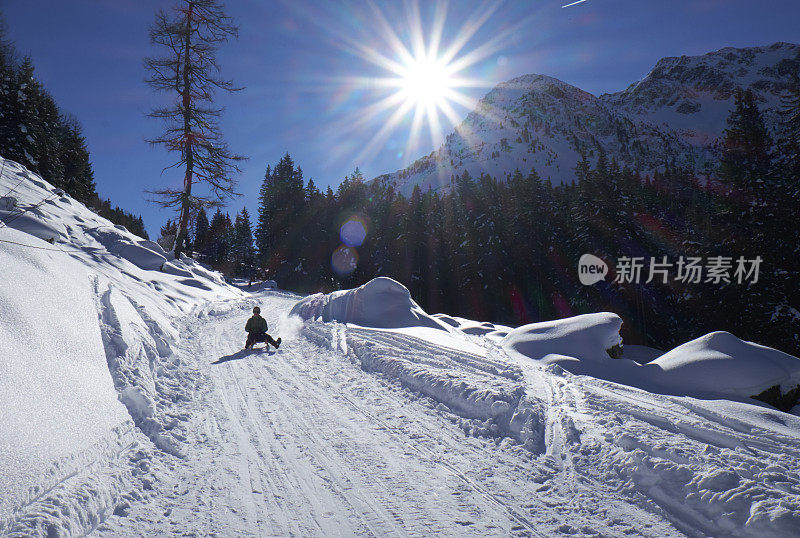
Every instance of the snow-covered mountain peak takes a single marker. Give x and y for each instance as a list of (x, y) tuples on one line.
[(694, 94), (674, 114), (539, 83), (765, 69)]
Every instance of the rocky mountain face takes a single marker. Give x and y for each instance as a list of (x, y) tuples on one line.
[(674, 114)]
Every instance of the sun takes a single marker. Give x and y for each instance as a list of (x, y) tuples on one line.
[(426, 82)]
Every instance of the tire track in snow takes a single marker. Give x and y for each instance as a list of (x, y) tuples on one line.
[(429, 456), (565, 493)]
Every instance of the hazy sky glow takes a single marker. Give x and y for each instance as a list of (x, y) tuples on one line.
[(356, 83)]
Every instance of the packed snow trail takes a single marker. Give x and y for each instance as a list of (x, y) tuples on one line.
[(301, 441)]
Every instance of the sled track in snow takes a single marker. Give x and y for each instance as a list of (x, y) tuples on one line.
[(317, 431), (522, 520), (302, 453)]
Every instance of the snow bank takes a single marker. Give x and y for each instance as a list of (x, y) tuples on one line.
[(56, 394), (380, 303), (716, 364), (485, 392), (721, 363), (86, 362), (140, 256), (584, 338)]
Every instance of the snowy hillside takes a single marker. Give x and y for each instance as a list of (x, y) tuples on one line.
[(86, 337), (674, 114), (128, 408)]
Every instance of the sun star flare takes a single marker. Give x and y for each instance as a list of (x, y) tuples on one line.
[(425, 77)]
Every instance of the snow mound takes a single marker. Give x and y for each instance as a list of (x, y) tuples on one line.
[(140, 256), (586, 337), (380, 303), (33, 224), (175, 268), (722, 363)]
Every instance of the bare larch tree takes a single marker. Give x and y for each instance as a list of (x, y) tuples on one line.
[(189, 37)]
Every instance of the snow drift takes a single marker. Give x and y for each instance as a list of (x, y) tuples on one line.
[(56, 395), (719, 362), (381, 303), (587, 337)]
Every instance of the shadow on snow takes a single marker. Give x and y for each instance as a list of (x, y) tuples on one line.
[(242, 354)]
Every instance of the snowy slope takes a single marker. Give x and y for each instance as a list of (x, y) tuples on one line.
[(675, 113), (86, 338), (51, 345)]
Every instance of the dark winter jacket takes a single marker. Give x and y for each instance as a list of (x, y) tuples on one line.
[(256, 324)]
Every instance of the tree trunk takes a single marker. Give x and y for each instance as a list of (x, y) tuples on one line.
[(188, 141)]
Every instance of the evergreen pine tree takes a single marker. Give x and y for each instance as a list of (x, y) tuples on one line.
[(24, 120), (789, 142), (217, 242), (264, 239), (201, 231), (242, 252), (78, 174), (746, 148)]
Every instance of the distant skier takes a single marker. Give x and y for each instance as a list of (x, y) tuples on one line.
[(257, 331)]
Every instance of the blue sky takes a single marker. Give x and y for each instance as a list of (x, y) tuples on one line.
[(307, 91)]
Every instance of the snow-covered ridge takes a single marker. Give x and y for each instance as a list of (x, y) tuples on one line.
[(675, 113), (694, 94), (87, 331)]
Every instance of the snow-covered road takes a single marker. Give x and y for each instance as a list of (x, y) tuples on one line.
[(302, 441)]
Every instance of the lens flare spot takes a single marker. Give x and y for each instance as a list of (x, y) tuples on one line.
[(353, 232), (344, 260)]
